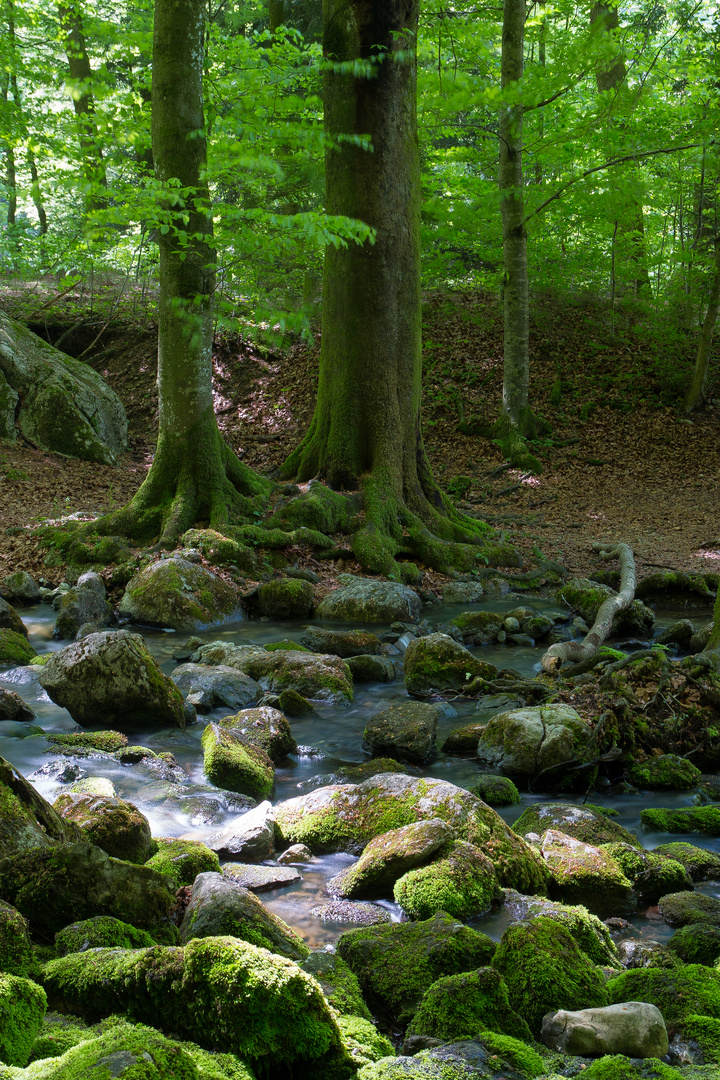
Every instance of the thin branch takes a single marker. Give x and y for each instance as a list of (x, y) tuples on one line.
[(559, 94)]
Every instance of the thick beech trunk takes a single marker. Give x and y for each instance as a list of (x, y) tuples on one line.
[(366, 429), (696, 391)]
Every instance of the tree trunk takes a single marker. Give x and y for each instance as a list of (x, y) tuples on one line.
[(36, 193), (696, 391), (276, 14), (194, 475), (92, 164), (366, 431)]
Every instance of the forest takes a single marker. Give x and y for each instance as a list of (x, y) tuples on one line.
[(359, 552)]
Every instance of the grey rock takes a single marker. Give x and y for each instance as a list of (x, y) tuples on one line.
[(437, 662), (524, 742), (91, 580), (677, 633), (298, 853), (586, 597), (213, 687), (633, 1028), (19, 588), (10, 620), (12, 707), (371, 601), (260, 878), (179, 595), (406, 732), (371, 669), (249, 837), (345, 911), (344, 643), (8, 407), (639, 953), (462, 592), (79, 606), (386, 858)]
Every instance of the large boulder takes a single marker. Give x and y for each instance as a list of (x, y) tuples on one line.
[(219, 907), (344, 817), (250, 837), (665, 773), (20, 588), (234, 764), (79, 606), (100, 932), (343, 643), (587, 875), (690, 908), (114, 825), (366, 600), (60, 404), (111, 676), (265, 727), (573, 820), (210, 688), (388, 857), (406, 731), (586, 597), (463, 883), (311, 675), (436, 662), (285, 598), (180, 595), (588, 932), (10, 620), (523, 743), (26, 819), (466, 1003), (633, 1028), (22, 1007)]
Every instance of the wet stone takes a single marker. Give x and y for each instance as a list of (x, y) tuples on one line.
[(259, 878), (347, 911)]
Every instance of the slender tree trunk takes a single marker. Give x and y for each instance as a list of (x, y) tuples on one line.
[(366, 431), (9, 155), (696, 391), (81, 75), (36, 193)]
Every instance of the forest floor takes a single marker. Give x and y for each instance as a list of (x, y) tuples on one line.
[(621, 462)]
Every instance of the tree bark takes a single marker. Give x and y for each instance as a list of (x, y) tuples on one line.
[(92, 164), (696, 391), (366, 430)]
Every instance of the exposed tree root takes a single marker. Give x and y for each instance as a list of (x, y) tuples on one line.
[(578, 651)]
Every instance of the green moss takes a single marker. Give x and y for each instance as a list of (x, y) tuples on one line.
[(462, 882), (114, 825), (677, 992), (697, 943), (587, 931), (705, 1031), (361, 1040), (545, 970), (108, 741), (495, 790), (221, 550), (22, 1007), (463, 1004), (232, 763), (338, 983), (702, 819), (618, 1067), (294, 704), (183, 860), (285, 598), (15, 649), (581, 822), (666, 773), (701, 864), (286, 645), (319, 509), (520, 1056), (101, 932), (59, 1033), (651, 875), (140, 1052), (357, 774), (16, 952)]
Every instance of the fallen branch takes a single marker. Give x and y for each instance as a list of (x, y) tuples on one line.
[(577, 651)]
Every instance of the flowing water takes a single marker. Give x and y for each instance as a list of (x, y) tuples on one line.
[(327, 740)]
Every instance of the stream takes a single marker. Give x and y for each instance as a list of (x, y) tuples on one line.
[(331, 738)]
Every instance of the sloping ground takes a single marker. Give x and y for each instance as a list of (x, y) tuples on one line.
[(621, 461)]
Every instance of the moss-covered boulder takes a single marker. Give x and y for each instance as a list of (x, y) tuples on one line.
[(650, 875), (700, 863), (221, 550), (398, 962), (464, 740), (223, 993), (685, 908), (619, 1067), (465, 1004), (666, 773), (114, 825), (215, 687), (495, 790), (234, 764), (687, 819), (437, 662), (180, 595), (703, 1032), (478, 627), (365, 669), (266, 728), (22, 1007), (108, 742), (677, 992), (55, 886), (343, 643), (112, 675), (101, 932), (20, 588), (545, 970), (387, 857), (462, 882), (338, 983), (10, 620), (696, 943), (15, 650), (587, 875), (362, 1041), (488, 1056), (406, 731), (586, 597), (26, 819), (219, 907), (285, 598), (588, 932), (12, 707), (344, 817), (183, 860), (16, 953), (524, 743), (367, 600), (78, 606), (578, 821)]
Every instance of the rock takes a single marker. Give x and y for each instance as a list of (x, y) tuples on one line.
[(219, 907), (469, 1002), (9, 618), (690, 819), (215, 687), (285, 598), (222, 550), (666, 773), (15, 650), (101, 932), (464, 740), (477, 627), (462, 592), (545, 970), (586, 597), (686, 908), (348, 911), (386, 858), (436, 662), (114, 825), (495, 790), (696, 943), (12, 707), (79, 606), (583, 874), (371, 669), (588, 933), (482, 1058), (523, 743), (232, 763), (650, 875), (344, 817), (337, 982), (297, 853), (260, 878), (19, 588), (633, 1028), (16, 950), (266, 728), (64, 405), (250, 836), (367, 600), (679, 992), (677, 633), (112, 675), (463, 883), (700, 863), (343, 643), (26, 820), (634, 953), (294, 704), (22, 1007), (108, 742), (578, 821), (179, 595), (183, 860), (406, 732), (396, 964), (55, 886)]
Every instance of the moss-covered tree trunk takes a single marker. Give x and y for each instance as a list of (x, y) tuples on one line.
[(194, 475), (696, 391), (366, 430)]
